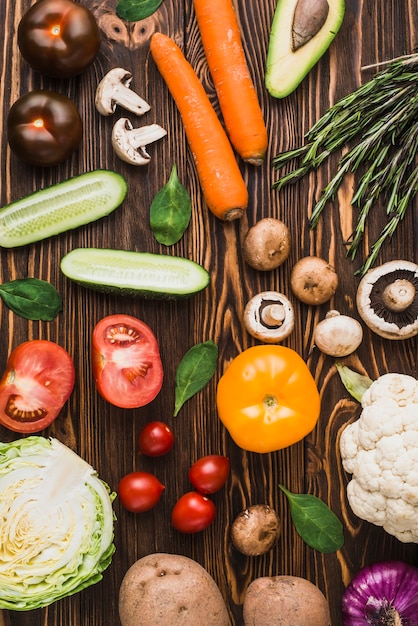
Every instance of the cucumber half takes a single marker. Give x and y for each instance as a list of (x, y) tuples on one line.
[(131, 273), (53, 210)]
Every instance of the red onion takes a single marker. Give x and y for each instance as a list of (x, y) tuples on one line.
[(382, 594)]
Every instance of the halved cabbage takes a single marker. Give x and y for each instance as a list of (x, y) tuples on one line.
[(56, 531)]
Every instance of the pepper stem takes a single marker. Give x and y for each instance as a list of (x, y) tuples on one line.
[(270, 401)]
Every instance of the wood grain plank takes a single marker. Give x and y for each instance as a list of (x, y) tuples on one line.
[(105, 436)]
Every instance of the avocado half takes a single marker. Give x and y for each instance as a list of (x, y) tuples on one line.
[(294, 49)]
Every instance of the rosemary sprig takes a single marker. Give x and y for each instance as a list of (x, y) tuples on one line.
[(378, 123)]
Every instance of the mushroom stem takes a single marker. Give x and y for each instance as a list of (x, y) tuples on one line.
[(273, 315), (399, 295), (130, 101)]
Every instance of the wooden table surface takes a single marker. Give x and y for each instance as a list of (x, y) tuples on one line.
[(106, 436)]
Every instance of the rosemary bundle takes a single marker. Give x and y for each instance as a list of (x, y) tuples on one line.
[(378, 123)]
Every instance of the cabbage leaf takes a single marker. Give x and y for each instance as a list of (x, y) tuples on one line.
[(56, 535)]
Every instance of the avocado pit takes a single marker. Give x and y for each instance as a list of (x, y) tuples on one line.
[(308, 19)]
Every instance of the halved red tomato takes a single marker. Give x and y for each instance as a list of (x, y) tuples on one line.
[(126, 361), (38, 381)]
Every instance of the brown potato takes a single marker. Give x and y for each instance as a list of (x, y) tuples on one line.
[(170, 590), (285, 601)]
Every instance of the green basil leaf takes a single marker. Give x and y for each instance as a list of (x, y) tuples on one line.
[(318, 526), (194, 371), (135, 10), (32, 298), (170, 211), (355, 383)]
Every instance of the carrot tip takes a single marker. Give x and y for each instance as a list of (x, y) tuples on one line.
[(233, 214), (257, 161)]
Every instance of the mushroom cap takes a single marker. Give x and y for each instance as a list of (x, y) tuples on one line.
[(313, 280), (338, 335), (266, 244), (255, 530), (387, 299)]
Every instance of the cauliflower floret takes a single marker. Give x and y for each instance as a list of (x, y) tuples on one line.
[(365, 504), (380, 450), (349, 446), (399, 387), (373, 427)]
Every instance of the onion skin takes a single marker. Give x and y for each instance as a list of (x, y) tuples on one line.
[(382, 594)]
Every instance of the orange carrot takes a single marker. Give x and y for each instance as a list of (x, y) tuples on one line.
[(238, 100), (222, 184)]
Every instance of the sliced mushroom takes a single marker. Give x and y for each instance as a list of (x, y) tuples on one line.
[(269, 316), (114, 89), (387, 299), (130, 143)]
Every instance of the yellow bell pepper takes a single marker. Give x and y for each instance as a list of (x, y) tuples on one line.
[(267, 399)]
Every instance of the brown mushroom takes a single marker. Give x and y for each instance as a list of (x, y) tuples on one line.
[(255, 530), (387, 299), (313, 280), (268, 316), (266, 244)]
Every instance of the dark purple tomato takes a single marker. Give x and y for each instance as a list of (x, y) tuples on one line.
[(44, 128), (58, 38)]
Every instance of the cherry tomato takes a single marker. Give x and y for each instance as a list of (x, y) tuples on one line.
[(155, 439), (44, 128), (192, 513), (58, 38), (139, 491), (38, 380), (209, 473), (126, 361)]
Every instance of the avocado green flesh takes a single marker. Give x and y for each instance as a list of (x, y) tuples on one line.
[(134, 273), (61, 207), (286, 69)]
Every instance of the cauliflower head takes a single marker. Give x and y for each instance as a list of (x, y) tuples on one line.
[(380, 451)]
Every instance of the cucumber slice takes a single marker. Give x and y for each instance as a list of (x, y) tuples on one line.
[(131, 273), (53, 210)]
